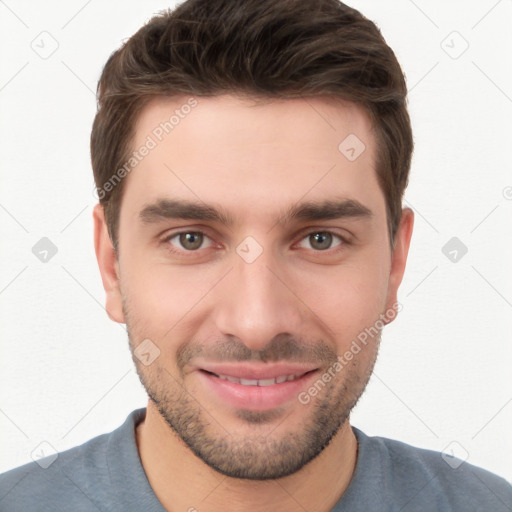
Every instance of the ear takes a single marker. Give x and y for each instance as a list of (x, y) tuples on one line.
[(109, 266), (399, 257)]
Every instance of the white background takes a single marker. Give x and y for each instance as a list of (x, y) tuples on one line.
[(444, 369)]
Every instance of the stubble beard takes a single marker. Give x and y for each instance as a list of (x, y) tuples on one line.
[(277, 454)]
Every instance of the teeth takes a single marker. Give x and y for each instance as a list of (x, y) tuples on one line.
[(249, 382), (261, 382), (266, 382)]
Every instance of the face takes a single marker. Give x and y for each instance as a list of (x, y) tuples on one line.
[(253, 253)]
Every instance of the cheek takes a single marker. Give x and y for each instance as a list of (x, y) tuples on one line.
[(176, 301), (348, 298), (160, 297)]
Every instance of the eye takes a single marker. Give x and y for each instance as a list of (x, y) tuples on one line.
[(321, 240), (189, 240)]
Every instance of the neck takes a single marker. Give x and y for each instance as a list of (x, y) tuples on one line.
[(171, 468)]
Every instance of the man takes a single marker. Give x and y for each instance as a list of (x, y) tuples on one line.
[(250, 158)]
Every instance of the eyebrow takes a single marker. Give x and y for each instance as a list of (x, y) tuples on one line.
[(163, 209)]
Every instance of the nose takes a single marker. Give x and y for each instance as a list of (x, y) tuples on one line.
[(256, 303)]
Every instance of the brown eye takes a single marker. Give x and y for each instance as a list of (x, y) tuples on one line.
[(188, 240), (321, 241), (191, 241)]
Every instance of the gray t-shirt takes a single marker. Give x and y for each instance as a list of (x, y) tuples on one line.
[(106, 474)]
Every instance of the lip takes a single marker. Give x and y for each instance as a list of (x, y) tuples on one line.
[(257, 371), (255, 397)]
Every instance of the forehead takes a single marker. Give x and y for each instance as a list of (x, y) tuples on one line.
[(258, 155)]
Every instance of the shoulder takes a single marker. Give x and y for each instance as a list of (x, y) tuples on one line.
[(50, 480), (427, 478), (79, 476)]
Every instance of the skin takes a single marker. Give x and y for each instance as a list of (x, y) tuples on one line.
[(295, 301)]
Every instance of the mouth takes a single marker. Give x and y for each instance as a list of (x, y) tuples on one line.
[(259, 382), (255, 387)]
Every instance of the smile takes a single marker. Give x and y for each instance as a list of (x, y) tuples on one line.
[(254, 387), (260, 382)]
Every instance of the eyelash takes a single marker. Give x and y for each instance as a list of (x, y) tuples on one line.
[(343, 241)]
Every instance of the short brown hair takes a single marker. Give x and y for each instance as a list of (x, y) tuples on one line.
[(260, 48)]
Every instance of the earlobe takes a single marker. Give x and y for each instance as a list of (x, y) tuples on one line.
[(108, 265), (399, 257)]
